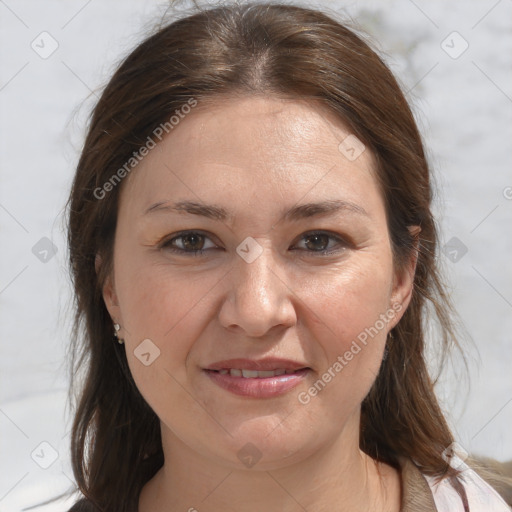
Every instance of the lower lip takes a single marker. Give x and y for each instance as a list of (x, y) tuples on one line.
[(258, 387)]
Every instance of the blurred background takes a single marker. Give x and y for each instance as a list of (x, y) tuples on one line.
[(454, 61)]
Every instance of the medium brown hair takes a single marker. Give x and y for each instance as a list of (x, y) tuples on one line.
[(255, 48)]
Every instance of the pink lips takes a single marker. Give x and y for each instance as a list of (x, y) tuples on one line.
[(258, 387)]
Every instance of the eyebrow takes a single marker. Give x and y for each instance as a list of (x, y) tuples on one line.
[(296, 213)]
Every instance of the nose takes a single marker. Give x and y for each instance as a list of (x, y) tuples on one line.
[(259, 297)]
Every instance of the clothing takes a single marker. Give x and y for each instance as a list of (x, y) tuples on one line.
[(421, 493)]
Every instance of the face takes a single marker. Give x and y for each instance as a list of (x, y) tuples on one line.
[(269, 243)]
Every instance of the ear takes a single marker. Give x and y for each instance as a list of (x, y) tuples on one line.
[(109, 292), (403, 282)]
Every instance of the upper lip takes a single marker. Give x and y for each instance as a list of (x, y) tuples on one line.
[(257, 364)]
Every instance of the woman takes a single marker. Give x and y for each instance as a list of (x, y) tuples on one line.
[(250, 220)]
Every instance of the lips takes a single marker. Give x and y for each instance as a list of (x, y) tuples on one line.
[(263, 378), (259, 387)]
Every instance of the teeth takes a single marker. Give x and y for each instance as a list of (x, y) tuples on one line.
[(254, 374)]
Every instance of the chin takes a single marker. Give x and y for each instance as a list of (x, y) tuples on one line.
[(262, 446)]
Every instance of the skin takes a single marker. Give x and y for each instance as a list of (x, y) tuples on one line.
[(257, 157)]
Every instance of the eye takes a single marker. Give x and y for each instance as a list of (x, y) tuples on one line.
[(192, 242), (196, 243), (323, 242)]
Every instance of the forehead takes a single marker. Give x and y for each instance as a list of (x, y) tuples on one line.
[(253, 146)]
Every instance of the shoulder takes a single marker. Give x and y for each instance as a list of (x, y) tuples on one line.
[(472, 492), (497, 474), (469, 492), (416, 493)]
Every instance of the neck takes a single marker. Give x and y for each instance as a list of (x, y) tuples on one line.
[(339, 476)]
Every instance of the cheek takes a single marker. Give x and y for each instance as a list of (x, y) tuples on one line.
[(165, 306), (354, 301), (351, 322), (170, 309), (156, 296), (352, 296)]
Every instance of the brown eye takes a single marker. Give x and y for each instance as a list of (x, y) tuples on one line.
[(322, 243), (317, 242), (191, 242)]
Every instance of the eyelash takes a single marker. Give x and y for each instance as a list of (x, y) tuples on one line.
[(200, 252)]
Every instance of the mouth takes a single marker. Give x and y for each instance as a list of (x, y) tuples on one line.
[(256, 374), (257, 383)]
